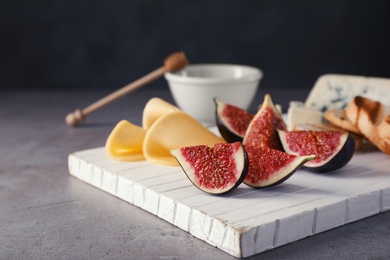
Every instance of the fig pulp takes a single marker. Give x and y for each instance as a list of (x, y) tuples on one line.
[(333, 149), (268, 164), (232, 121), (262, 130), (214, 170), (270, 167)]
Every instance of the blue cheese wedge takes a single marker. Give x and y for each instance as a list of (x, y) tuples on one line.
[(334, 91)]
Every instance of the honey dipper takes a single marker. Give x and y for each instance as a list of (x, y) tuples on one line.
[(173, 62)]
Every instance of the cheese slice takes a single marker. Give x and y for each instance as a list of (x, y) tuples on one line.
[(154, 109), (172, 131), (125, 142), (165, 127)]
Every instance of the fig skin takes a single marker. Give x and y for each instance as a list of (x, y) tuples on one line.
[(340, 160), (189, 171), (226, 132)]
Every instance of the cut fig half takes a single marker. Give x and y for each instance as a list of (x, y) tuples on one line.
[(216, 169), (333, 149), (270, 167), (232, 121)]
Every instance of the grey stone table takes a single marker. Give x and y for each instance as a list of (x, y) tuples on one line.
[(47, 214)]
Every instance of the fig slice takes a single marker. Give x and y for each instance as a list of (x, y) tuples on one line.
[(216, 169), (269, 165), (333, 149), (232, 121), (262, 130)]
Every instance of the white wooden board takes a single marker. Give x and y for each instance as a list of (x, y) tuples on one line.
[(246, 221)]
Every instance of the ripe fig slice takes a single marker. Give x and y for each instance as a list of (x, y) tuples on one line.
[(270, 167), (333, 149), (262, 130), (268, 164), (232, 121), (215, 170)]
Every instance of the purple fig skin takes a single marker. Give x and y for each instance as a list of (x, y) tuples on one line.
[(225, 132), (339, 161), (280, 181)]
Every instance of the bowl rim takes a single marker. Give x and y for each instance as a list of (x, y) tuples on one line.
[(255, 75)]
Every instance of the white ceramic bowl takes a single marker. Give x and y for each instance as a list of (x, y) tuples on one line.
[(195, 87)]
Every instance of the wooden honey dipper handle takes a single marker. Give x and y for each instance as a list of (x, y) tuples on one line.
[(175, 61)]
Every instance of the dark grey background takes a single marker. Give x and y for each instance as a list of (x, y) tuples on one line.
[(97, 44)]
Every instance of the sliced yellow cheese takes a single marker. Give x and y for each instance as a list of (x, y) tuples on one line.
[(125, 142), (172, 131), (154, 109)]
